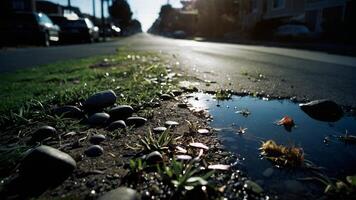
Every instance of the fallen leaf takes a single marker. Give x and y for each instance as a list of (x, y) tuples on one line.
[(199, 145)]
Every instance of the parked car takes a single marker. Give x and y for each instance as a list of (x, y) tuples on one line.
[(292, 31), (80, 30), (29, 28)]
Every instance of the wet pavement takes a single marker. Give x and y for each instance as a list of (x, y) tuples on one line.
[(319, 141)]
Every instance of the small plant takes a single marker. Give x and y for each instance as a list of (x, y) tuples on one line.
[(150, 143), (223, 95), (185, 176), (137, 166), (281, 155)]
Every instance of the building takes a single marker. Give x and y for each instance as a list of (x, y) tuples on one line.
[(11, 6), (325, 15)]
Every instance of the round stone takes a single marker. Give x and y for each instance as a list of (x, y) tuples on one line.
[(43, 133), (154, 157), (68, 112), (94, 151), (97, 139), (159, 129), (182, 105), (122, 193), (46, 166), (323, 110), (98, 119), (136, 121), (100, 100), (177, 92), (171, 123), (121, 112), (119, 124)]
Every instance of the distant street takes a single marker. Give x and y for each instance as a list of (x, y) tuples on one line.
[(275, 71)]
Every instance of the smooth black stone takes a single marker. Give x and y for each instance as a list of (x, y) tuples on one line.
[(177, 92), (98, 119), (159, 129), (323, 110), (100, 100), (119, 124), (68, 112), (97, 139), (121, 193), (136, 121), (121, 112), (166, 97), (42, 168), (43, 133), (94, 151), (154, 158)]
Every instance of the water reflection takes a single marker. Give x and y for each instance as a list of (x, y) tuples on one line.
[(338, 158)]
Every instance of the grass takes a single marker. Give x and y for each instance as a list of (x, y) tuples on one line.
[(71, 82)]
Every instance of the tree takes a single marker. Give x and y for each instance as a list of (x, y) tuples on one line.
[(121, 12)]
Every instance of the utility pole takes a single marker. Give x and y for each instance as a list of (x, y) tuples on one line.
[(103, 20), (69, 4), (94, 9)]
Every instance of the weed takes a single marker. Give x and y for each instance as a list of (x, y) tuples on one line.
[(223, 95), (281, 155)]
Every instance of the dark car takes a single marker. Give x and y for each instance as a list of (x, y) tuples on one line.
[(79, 30), (28, 28)]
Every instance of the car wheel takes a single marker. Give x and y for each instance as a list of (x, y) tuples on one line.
[(45, 40)]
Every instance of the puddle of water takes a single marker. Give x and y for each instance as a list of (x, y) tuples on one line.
[(336, 157)]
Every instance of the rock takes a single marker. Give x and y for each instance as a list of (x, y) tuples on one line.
[(177, 92), (136, 121), (182, 105), (183, 157), (43, 133), (121, 112), (119, 124), (42, 168), (100, 100), (68, 112), (171, 123), (98, 119), (154, 157), (252, 186), (323, 110), (159, 129), (121, 193), (97, 139), (166, 97), (94, 151), (268, 172)]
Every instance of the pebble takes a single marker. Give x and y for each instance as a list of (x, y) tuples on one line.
[(97, 139), (98, 119), (203, 131), (43, 133), (94, 151), (122, 193), (100, 100), (171, 123), (69, 112), (183, 157), (177, 92), (182, 105), (136, 121), (44, 167), (119, 124), (121, 112), (160, 129), (154, 157)]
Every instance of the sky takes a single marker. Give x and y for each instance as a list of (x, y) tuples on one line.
[(146, 11)]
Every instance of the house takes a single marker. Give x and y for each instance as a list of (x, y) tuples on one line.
[(11, 6), (253, 12), (325, 15), (48, 7)]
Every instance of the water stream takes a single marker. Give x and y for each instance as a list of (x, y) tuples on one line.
[(338, 158)]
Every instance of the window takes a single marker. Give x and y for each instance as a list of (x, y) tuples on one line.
[(277, 4)]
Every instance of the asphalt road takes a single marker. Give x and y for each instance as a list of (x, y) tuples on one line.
[(285, 72)]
